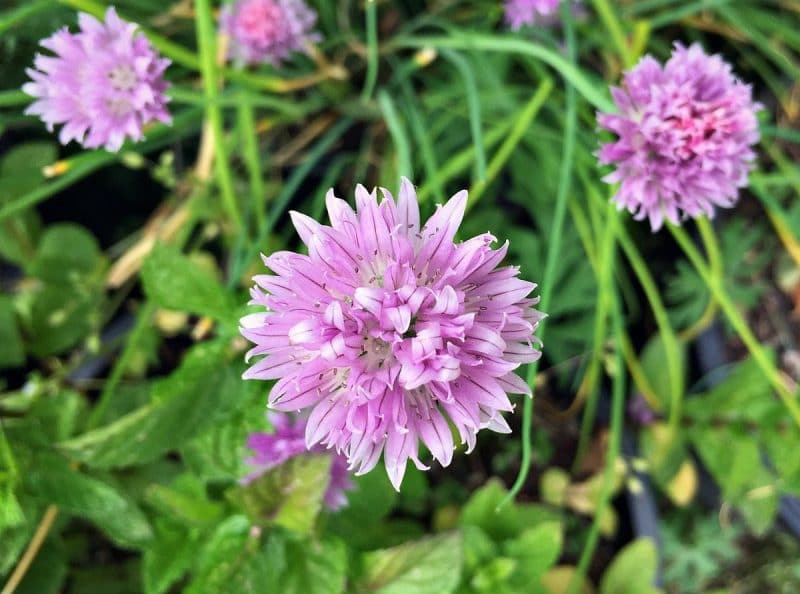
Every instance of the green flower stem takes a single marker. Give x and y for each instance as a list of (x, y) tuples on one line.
[(614, 446), (739, 324), (465, 40), (372, 50), (612, 24), (252, 159), (207, 43), (14, 98), (717, 268), (473, 104), (605, 288), (521, 125), (15, 16), (143, 322), (671, 345), (554, 246), (398, 133)]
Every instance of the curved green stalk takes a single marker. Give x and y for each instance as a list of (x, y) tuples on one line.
[(252, 159), (605, 288), (473, 104), (372, 50), (521, 125), (738, 322), (671, 345), (207, 45), (614, 446), (465, 40), (554, 250)]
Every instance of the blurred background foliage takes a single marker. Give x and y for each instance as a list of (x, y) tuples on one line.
[(122, 414)]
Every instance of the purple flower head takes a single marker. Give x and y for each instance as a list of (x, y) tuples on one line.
[(388, 329), (267, 30), (528, 12), (104, 83), (686, 132), (287, 441)]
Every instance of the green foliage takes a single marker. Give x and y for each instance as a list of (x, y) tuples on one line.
[(429, 565), (734, 425), (173, 281), (138, 437), (289, 495), (633, 570), (744, 258), (201, 393)]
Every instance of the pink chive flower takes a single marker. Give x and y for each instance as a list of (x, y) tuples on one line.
[(267, 31), (389, 332), (104, 83), (685, 136), (288, 441), (528, 12)]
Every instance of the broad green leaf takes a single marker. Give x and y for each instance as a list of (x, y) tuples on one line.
[(236, 561), (174, 281), (633, 570), (429, 565), (314, 567), (61, 315), (51, 481), (653, 358), (536, 550), (185, 501), (362, 522), (202, 392), (21, 172), (66, 254), (478, 547), (493, 576), (12, 351), (168, 556), (218, 454), (506, 522), (289, 495)]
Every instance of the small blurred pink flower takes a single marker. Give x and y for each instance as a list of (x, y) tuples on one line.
[(529, 12), (104, 83), (287, 441), (267, 31), (685, 137)]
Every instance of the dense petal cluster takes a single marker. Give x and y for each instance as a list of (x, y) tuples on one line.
[(387, 329), (685, 136), (267, 31), (528, 12), (287, 441), (104, 83)]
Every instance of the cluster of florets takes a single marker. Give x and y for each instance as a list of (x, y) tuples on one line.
[(685, 136), (103, 84), (388, 331)]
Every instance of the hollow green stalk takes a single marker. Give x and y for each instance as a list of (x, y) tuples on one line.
[(207, 44), (614, 447), (554, 249), (252, 159), (718, 292), (519, 128)]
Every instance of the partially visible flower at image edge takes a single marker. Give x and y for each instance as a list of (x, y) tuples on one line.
[(388, 329), (519, 13), (267, 31), (104, 83), (287, 441), (685, 136)]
